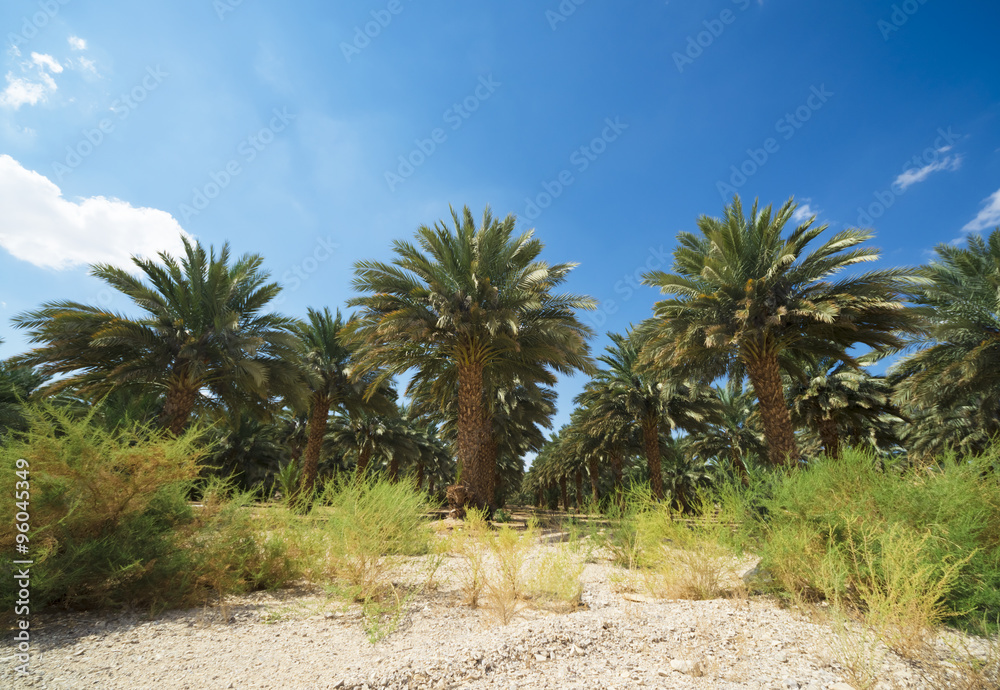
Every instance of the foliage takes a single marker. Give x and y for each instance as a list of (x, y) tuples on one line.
[(472, 308), (856, 531), (110, 522), (206, 327), (746, 300)]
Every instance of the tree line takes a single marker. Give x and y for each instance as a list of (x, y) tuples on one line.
[(757, 356)]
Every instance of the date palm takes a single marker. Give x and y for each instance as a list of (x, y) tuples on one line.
[(654, 405), (476, 301), (204, 335), (959, 365), (746, 299), (837, 401), (326, 361)]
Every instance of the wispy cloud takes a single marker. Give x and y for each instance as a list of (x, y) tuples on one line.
[(804, 212), (46, 61), (34, 84), (988, 217), (41, 227), (77, 43), (915, 175)]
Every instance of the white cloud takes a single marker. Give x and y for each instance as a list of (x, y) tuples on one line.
[(915, 175), (48, 61), (803, 213), (35, 86), (86, 65), (988, 217), (21, 92), (39, 226), (77, 43)]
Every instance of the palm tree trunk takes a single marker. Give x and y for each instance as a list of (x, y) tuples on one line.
[(616, 470), (830, 437), (394, 469), (490, 460), (651, 442), (541, 497), (178, 406), (564, 493), (594, 471), (317, 430), (364, 454), (471, 434), (430, 485), (420, 475), (579, 490), (765, 376)]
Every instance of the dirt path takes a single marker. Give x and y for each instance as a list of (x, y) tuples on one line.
[(303, 639)]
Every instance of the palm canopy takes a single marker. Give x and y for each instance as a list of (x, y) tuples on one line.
[(654, 404), (326, 361), (960, 364), (474, 303), (838, 400), (204, 328), (744, 298)]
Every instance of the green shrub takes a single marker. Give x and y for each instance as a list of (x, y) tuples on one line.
[(367, 525), (110, 521), (876, 537)]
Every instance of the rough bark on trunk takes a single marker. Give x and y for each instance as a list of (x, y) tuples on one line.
[(830, 438), (317, 430), (564, 492), (364, 454), (616, 470), (178, 406), (394, 469), (420, 475), (490, 461), (541, 497), (579, 490), (765, 377), (651, 443), (594, 470), (471, 437), (430, 486)]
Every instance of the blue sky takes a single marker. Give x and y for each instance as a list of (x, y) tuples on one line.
[(315, 133)]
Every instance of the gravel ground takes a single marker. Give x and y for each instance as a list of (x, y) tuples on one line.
[(303, 639)]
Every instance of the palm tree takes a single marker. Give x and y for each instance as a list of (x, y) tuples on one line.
[(606, 432), (735, 436), (960, 363), (744, 299), (16, 385), (205, 335), (326, 362), (474, 303), (838, 400), (654, 405)]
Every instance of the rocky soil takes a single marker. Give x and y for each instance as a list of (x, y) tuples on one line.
[(306, 639)]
